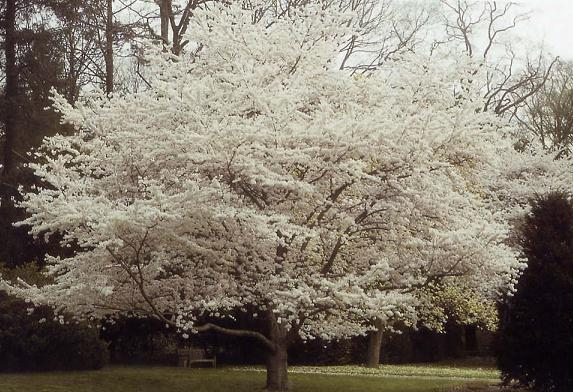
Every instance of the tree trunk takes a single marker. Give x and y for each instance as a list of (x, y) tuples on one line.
[(375, 345), (72, 87), (164, 18), (277, 378), (11, 88), (176, 49), (277, 359), (109, 48)]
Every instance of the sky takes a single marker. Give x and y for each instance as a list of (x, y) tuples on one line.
[(551, 21)]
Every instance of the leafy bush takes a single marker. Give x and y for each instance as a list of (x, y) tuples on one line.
[(34, 340), (141, 341), (535, 345)]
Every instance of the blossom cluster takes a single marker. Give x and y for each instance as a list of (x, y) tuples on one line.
[(255, 174)]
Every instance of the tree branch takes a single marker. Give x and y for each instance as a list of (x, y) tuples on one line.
[(237, 332)]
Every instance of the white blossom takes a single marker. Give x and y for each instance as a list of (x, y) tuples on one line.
[(255, 175)]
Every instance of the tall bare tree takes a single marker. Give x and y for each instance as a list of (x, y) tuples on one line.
[(171, 17), (383, 29), (547, 115), (483, 28), (11, 85)]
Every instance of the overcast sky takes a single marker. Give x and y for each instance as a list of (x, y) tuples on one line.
[(552, 22)]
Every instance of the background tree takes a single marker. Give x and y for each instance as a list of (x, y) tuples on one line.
[(438, 304), (33, 67), (56, 45), (40, 68), (535, 346), (483, 31), (94, 34), (11, 84), (164, 20), (547, 116)]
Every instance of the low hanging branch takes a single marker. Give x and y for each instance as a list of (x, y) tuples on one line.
[(237, 332)]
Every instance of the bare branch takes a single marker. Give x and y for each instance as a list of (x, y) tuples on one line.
[(237, 332)]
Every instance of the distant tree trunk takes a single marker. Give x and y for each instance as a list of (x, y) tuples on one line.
[(109, 67), (375, 345), (277, 359), (11, 92), (72, 91), (164, 11), (176, 49)]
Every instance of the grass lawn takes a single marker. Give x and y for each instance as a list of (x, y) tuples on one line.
[(167, 379)]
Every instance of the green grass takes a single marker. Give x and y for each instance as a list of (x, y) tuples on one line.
[(166, 379)]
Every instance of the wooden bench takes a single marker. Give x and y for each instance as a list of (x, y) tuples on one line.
[(199, 355)]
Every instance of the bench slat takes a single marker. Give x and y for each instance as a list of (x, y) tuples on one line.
[(199, 355)]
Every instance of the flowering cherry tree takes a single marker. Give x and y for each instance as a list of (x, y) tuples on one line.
[(254, 175)]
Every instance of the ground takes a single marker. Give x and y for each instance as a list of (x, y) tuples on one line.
[(440, 370), (167, 379)]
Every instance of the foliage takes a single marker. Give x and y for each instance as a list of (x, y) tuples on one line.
[(38, 61), (28, 272), (456, 303), (40, 342), (144, 341), (33, 339), (535, 345)]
